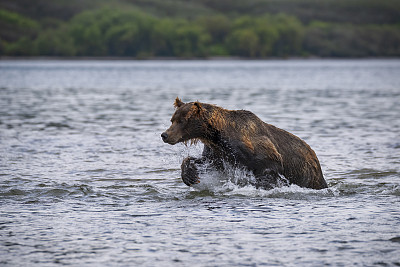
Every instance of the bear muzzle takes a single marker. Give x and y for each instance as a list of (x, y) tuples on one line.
[(169, 139), (164, 137)]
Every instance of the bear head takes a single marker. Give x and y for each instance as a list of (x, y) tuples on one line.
[(187, 123)]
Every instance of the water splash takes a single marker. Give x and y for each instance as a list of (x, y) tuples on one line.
[(235, 181)]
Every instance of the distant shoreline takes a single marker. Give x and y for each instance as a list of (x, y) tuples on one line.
[(228, 58)]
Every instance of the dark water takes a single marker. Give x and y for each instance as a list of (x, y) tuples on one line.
[(85, 179)]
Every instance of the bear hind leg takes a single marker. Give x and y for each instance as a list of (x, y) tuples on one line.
[(270, 179)]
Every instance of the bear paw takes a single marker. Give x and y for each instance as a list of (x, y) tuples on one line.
[(189, 174)]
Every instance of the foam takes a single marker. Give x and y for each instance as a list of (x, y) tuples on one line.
[(240, 182)]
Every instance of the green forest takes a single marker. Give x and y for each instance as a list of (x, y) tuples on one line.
[(200, 28)]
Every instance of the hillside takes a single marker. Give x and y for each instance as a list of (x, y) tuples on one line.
[(200, 28)]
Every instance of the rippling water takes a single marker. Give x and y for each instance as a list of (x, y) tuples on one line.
[(86, 180)]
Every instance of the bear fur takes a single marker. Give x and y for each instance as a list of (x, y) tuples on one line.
[(240, 138)]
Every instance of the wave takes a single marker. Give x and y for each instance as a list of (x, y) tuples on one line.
[(240, 182), (43, 192)]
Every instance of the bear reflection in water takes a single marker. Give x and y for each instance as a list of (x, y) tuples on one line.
[(240, 138)]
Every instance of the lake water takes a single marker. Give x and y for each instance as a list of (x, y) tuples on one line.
[(86, 180)]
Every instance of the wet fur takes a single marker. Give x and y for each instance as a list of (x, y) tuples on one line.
[(242, 139)]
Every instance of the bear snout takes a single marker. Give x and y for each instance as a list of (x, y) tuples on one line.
[(170, 138), (164, 136)]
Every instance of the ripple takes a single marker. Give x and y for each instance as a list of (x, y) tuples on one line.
[(58, 125), (14, 192), (44, 192), (143, 215), (372, 173), (56, 192), (395, 190), (395, 239)]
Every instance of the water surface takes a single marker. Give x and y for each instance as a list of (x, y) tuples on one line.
[(86, 180)]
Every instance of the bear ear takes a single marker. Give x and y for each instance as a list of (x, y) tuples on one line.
[(178, 103), (197, 107), (195, 110)]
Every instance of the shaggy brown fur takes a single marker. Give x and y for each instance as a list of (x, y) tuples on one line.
[(242, 139)]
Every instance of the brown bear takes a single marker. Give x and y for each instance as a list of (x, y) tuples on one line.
[(243, 140)]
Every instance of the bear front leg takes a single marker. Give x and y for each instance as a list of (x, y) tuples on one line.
[(190, 175)]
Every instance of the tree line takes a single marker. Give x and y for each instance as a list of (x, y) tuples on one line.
[(132, 32)]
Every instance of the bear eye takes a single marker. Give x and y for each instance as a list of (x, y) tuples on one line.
[(177, 120)]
